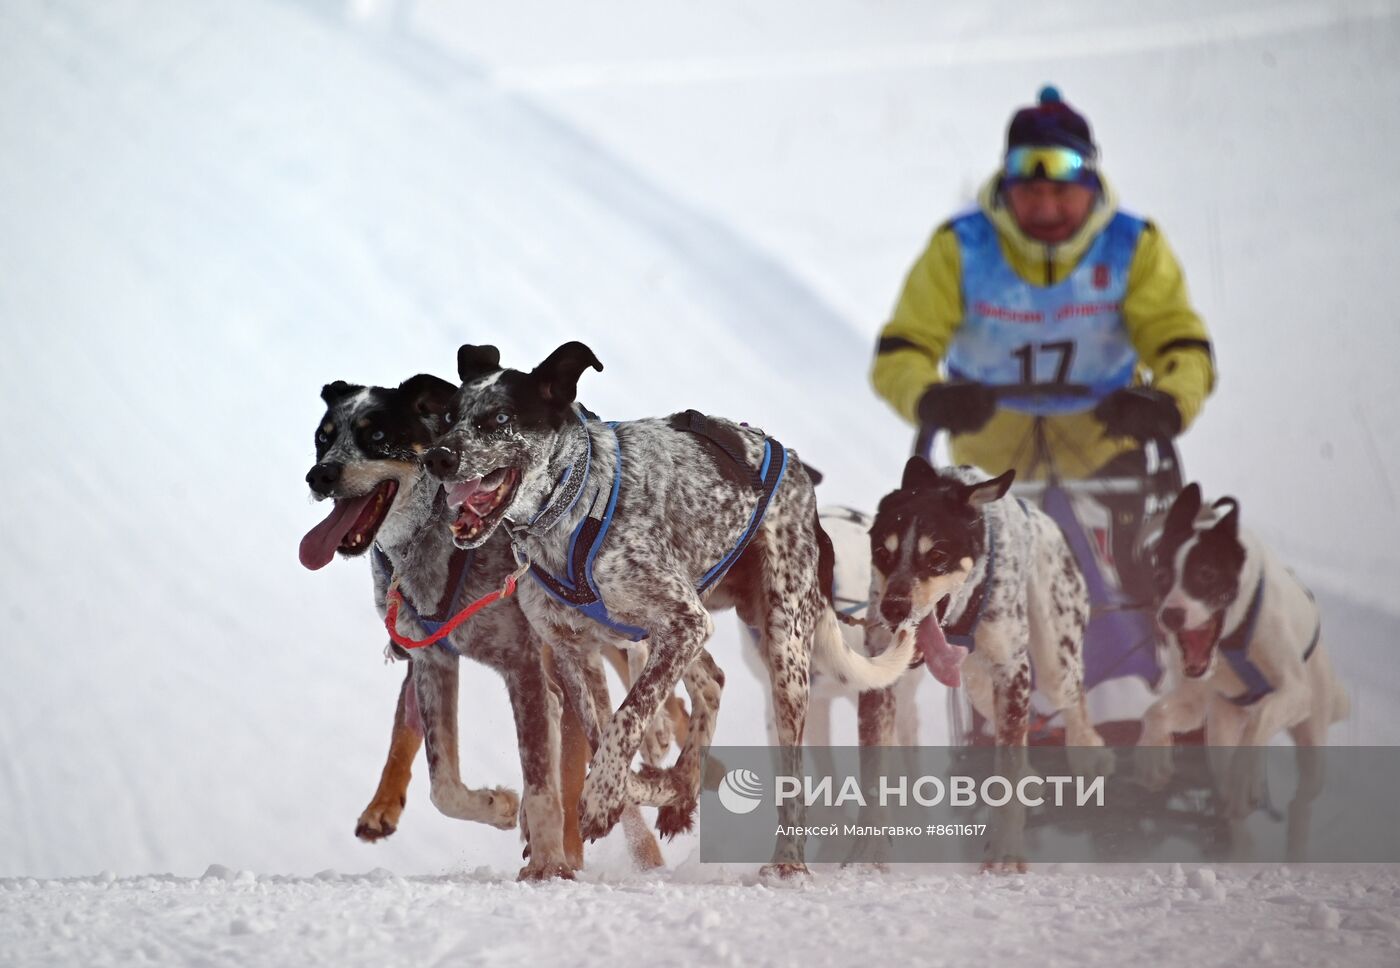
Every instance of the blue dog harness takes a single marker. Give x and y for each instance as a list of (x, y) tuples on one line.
[(1235, 645), (458, 567), (964, 631), (578, 589)]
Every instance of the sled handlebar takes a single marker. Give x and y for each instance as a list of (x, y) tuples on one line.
[(1011, 391), (1163, 474), (923, 443)]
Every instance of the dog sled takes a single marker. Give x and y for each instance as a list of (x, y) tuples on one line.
[(1107, 519)]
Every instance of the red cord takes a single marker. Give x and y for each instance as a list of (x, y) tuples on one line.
[(395, 598)]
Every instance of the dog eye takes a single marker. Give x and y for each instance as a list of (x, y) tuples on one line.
[(1162, 578), (501, 418), (322, 436), (377, 436)]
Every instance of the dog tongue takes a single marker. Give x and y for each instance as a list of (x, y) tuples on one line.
[(462, 492), (318, 547), (942, 659)]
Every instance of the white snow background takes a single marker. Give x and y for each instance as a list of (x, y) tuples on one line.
[(209, 210)]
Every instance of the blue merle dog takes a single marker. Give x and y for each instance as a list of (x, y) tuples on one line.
[(636, 531), (369, 446)]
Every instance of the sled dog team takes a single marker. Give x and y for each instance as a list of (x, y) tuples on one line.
[(506, 523)]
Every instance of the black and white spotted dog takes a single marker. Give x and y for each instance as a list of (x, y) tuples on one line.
[(368, 450), (950, 550), (1244, 643), (849, 531), (634, 531)]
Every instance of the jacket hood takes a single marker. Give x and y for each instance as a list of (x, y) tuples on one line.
[(1066, 253)]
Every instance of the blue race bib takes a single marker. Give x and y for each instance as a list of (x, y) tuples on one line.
[(1070, 332)]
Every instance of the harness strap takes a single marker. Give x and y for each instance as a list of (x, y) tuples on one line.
[(769, 477), (1235, 647), (395, 599), (458, 567), (568, 489), (726, 441), (578, 588), (963, 632)]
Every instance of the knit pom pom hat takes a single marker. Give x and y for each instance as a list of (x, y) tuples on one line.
[(1051, 122)]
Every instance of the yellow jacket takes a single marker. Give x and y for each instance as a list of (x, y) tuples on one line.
[(1172, 343)]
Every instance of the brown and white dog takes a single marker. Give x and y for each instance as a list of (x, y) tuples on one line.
[(949, 548)]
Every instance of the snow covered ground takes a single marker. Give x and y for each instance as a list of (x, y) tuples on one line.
[(209, 211), (1232, 916)]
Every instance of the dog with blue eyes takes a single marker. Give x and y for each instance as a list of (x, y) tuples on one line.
[(1243, 639), (637, 530)]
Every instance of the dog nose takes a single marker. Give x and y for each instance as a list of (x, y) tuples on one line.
[(441, 461), (895, 608), (1173, 618), (324, 476)]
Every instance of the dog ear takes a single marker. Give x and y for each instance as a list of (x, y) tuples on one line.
[(984, 492), (338, 390), (558, 375), (477, 361), (428, 394), (1182, 516), (918, 472), (1229, 525)]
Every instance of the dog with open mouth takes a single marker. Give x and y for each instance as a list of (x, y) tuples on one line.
[(635, 531), (1243, 638), (953, 555), (368, 463)]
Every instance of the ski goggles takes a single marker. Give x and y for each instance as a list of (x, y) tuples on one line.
[(1054, 163)]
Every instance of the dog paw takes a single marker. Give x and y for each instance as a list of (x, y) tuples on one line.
[(503, 807), (497, 807), (597, 823), (677, 818), (378, 821), (599, 808), (866, 866), (553, 871), (646, 854), (602, 801), (1007, 865), (786, 872), (1152, 767)]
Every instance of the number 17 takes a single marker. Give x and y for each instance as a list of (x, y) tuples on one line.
[(1026, 354)]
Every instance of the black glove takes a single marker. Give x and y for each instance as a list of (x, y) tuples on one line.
[(1139, 412), (959, 408)]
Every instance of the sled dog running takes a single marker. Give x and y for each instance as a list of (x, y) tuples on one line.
[(634, 531), (989, 589), (368, 449), (1245, 637)]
